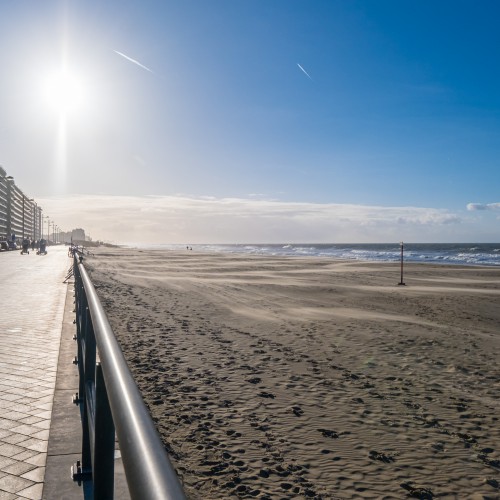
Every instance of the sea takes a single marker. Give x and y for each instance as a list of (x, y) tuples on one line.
[(478, 254)]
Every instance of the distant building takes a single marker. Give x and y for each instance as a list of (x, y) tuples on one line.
[(78, 235), (20, 215)]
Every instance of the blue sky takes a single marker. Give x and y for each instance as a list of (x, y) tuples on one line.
[(209, 131)]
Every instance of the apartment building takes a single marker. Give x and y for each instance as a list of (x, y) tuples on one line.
[(20, 215)]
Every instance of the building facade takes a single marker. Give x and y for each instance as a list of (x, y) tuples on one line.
[(20, 215)]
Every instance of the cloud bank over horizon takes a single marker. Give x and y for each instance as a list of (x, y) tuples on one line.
[(184, 219), (483, 206)]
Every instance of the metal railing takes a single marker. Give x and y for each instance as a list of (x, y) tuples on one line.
[(109, 398)]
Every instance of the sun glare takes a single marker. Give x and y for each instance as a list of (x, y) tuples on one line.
[(63, 92)]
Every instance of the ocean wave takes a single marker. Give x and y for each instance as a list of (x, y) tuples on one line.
[(444, 253)]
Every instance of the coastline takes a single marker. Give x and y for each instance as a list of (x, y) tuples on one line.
[(291, 377), (482, 254)]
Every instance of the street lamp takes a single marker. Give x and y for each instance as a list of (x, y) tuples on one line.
[(39, 220), (43, 222), (401, 282), (54, 232)]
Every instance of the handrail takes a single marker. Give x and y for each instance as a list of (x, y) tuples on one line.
[(150, 475)]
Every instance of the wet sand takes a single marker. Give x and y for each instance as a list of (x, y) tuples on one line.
[(280, 377)]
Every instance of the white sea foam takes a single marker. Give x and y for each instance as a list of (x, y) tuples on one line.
[(486, 254)]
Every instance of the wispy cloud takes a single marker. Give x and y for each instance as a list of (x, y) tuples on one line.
[(133, 61), (178, 219), (483, 206), (304, 71)]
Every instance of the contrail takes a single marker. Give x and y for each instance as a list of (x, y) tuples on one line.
[(134, 61), (305, 72)]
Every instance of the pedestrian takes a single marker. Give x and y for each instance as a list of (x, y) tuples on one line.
[(25, 245)]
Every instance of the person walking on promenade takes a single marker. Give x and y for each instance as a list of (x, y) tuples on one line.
[(26, 245)]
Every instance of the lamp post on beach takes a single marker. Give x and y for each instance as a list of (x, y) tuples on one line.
[(401, 281)]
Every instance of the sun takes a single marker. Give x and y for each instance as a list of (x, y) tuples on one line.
[(63, 92)]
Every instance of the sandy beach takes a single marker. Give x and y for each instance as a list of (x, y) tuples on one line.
[(280, 377)]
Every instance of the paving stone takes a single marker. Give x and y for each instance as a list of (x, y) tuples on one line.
[(13, 484), (5, 461), (7, 496), (9, 397), (38, 460), (27, 430), (44, 406), (41, 434), (34, 444), (29, 349), (14, 438), (14, 415), (25, 454), (22, 408), (18, 468), (18, 391), (7, 424), (32, 420), (43, 414), (35, 474), (9, 450), (42, 423), (33, 492)]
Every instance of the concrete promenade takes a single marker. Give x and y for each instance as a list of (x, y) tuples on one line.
[(32, 304)]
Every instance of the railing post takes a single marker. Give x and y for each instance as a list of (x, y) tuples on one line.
[(81, 471), (103, 463), (88, 362)]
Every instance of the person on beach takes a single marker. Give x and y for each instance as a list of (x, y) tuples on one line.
[(33, 245)]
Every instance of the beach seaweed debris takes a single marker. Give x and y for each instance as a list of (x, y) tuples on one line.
[(268, 395), (383, 457), (493, 483), (489, 461), (414, 492), (329, 433), (254, 380)]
